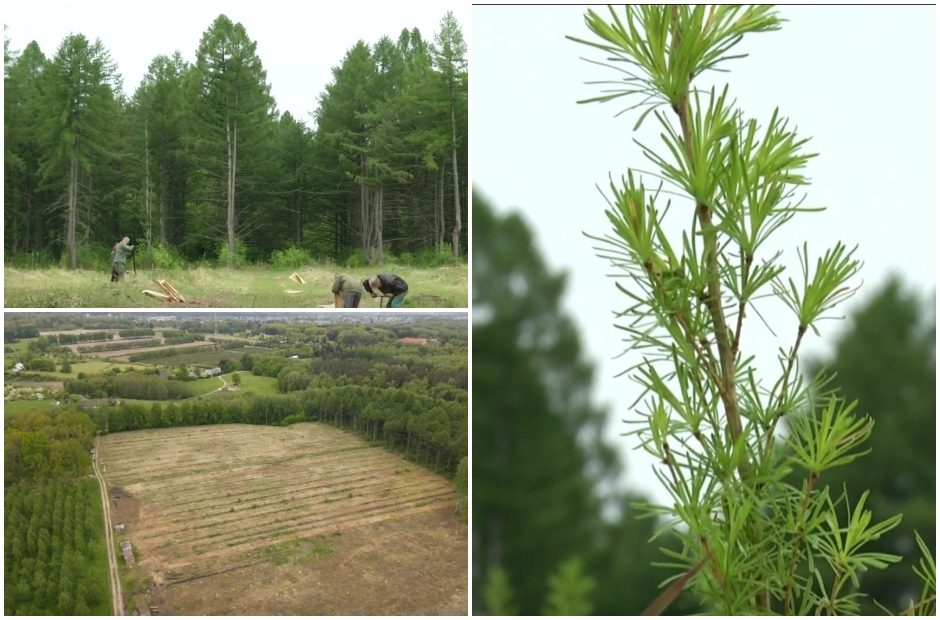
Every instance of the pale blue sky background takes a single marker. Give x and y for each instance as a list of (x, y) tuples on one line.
[(298, 41), (859, 80)]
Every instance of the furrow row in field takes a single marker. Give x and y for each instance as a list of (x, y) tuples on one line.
[(255, 473), (227, 434), (195, 495), (153, 440), (186, 542), (307, 529), (168, 452), (194, 441), (169, 468), (278, 506)]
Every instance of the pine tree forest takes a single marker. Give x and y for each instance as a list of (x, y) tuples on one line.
[(200, 165)]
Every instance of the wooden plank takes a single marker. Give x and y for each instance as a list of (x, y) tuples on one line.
[(157, 295), (296, 277), (171, 291)]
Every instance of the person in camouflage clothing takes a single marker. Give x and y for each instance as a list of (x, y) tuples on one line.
[(346, 291), (119, 254)]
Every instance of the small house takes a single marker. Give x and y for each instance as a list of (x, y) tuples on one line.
[(212, 372)]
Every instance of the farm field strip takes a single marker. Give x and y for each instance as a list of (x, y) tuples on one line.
[(201, 357), (206, 554), (125, 353), (73, 347), (217, 470), (291, 502), (197, 498), (221, 444), (207, 463), (235, 532), (259, 486), (209, 497)]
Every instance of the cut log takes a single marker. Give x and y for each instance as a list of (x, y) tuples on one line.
[(157, 295), (296, 278)]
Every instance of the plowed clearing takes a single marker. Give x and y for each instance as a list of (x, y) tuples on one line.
[(306, 520)]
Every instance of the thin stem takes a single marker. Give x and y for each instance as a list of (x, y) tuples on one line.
[(717, 571), (836, 586), (703, 353), (788, 596), (915, 606), (727, 386), (745, 274), (778, 408)]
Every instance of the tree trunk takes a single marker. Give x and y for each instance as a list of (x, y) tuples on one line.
[(377, 226), (298, 211), (458, 228), (147, 204), (364, 215), (162, 204), (232, 134), (73, 209), (439, 222)]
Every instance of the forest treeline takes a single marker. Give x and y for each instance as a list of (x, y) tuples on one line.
[(200, 165), (54, 552), (413, 398)]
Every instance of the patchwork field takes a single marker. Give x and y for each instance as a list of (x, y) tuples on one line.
[(123, 354), (303, 520)]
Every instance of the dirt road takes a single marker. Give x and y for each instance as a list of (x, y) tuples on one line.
[(117, 598)]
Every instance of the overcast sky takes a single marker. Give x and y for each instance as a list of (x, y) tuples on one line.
[(298, 42), (860, 81)]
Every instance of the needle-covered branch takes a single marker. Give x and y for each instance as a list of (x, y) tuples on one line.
[(709, 419)]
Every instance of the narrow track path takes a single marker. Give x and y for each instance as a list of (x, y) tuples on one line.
[(117, 597)]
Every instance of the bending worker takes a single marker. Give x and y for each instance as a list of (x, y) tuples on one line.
[(387, 285), (346, 291), (119, 254)]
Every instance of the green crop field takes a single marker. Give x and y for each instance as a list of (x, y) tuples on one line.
[(16, 407), (250, 287), (199, 358)]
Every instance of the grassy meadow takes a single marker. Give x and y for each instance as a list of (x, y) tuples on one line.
[(222, 287)]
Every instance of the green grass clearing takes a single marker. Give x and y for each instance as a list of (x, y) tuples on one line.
[(201, 387), (263, 386), (250, 287), (17, 407)]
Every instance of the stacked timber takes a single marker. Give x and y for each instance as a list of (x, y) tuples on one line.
[(169, 292)]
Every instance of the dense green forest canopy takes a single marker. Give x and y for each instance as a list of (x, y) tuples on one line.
[(54, 554), (199, 164)]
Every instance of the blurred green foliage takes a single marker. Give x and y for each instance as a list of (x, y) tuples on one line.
[(540, 542), (887, 360)]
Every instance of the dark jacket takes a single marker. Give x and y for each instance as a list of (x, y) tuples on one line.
[(392, 285)]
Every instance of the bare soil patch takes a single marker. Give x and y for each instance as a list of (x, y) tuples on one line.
[(308, 520)]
